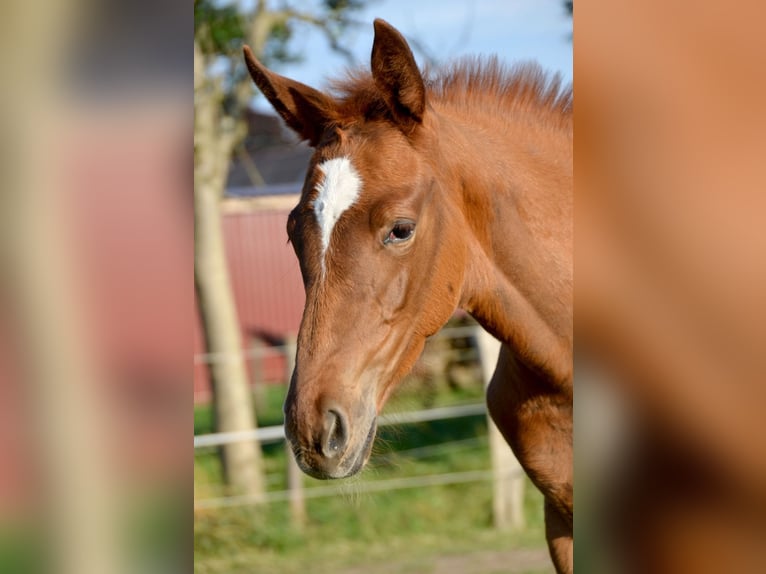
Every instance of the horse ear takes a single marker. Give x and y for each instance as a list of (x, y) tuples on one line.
[(307, 111), (397, 75)]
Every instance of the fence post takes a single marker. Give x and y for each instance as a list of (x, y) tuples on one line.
[(294, 473), (507, 475)]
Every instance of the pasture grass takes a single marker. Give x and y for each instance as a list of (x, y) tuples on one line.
[(409, 526)]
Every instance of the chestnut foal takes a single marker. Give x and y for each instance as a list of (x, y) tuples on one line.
[(424, 195)]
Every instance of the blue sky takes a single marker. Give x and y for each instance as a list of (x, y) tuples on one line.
[(513, 29)]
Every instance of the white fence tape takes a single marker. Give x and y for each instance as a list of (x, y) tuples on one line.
[(277, 433), (350, 489)]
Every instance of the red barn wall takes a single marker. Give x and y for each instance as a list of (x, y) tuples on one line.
[(268, 291)]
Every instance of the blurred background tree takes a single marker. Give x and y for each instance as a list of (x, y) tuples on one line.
[(222, 95)]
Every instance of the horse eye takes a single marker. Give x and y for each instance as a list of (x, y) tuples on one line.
[(401, 231)]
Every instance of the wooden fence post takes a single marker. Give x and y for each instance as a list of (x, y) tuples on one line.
[(508, 476), (294, 473)]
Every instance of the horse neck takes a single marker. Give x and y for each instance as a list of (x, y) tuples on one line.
[(512, 186)]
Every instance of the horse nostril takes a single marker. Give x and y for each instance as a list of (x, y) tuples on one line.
[(334, 434)]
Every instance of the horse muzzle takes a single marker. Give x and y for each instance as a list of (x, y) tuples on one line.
[(335, 448)]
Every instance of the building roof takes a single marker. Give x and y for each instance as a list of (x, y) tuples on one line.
[(270, 155)]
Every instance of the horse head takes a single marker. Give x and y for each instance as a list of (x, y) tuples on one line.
[(382, 265)]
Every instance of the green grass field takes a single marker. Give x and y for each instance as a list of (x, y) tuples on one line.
[(409, 527)]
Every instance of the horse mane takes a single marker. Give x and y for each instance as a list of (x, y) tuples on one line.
[(479, 83)]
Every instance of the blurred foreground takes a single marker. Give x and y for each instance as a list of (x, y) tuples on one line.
[(670, 283), (95, 294)]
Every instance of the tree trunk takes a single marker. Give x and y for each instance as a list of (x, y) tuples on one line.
[(231, 391), (214, 138)]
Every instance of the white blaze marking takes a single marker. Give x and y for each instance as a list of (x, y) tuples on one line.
[(336, 192)]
